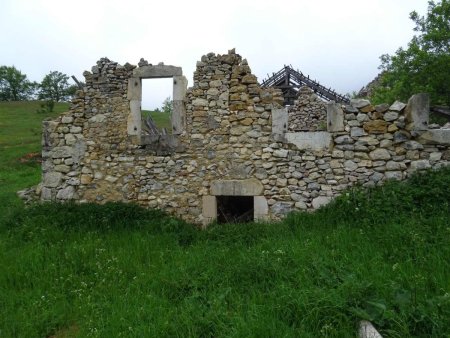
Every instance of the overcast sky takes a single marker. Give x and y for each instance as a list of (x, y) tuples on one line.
[(336, 42)]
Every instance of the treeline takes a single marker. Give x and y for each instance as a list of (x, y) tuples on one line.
[(54, 87), (424, 66)]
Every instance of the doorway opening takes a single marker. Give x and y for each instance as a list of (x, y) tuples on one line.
[(235, 209)]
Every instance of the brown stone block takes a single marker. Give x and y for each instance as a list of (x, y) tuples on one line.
[(238, 89), (235, 97), (376, 127), (247, 121), (199, 113), (367, 109), (249, 79), (392, 128), (237, 106)]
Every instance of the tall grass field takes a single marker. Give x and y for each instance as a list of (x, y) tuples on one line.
[(118, 270)]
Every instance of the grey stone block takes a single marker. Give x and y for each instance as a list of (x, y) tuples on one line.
[(335, 117), (417, 111)]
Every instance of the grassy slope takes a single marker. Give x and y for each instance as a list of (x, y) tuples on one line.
[(118, 269), (162, 120), (20, 134)]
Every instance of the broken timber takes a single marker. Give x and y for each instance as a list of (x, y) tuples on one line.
[(290, 80)]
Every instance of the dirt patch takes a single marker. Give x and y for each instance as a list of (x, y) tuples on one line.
[(31, 158)]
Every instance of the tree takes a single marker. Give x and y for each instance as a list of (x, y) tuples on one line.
[(55, 87), (424, 66), (14, 86), (167, 106)]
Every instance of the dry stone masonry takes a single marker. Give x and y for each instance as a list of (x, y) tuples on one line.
[(231, 139), (309, 112)]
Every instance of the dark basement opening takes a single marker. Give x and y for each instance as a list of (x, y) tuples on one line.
[(235, 209)]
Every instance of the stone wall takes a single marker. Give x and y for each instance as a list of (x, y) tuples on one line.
[(233, 139), (309, 112)]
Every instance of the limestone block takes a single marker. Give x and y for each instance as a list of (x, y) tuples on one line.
[(281, 208), (435, 136), (61, 152), (67, 119), (52, 179), (397, 106), (359, 103), (380, 154), (320, 201), (178, 117), (261, 208), (367, 330), (159, 71), (280, 153), (420, 165), (393, 175), (134, 124), (99, 118), (335, 117), (279, 121), (179, 87), (376, 127), (390, 116), (134, 89), (315, 140), (66, 194), (417, 111), (209, 209), (357, 132), (248, 187), (46, 194)]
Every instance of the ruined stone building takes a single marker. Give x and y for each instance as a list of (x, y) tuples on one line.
[(234, 153)]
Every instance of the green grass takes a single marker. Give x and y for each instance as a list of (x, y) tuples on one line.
[(20, 134), (161, 119), (120, 270)]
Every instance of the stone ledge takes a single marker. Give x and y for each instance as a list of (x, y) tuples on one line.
[(435, 136), (148, 72), (316, 140), (249, 187)]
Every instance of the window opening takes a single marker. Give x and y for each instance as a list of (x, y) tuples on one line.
[(157, 106)]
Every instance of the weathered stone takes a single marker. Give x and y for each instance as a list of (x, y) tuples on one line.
[(280, 153), (359, 103), (320, 201), (381, 108), (379, 154), (413, 145), (350, 165), (345, 139), (420, 165), (52, 179), (357, 132), (390, 116), (249, 187), (401, 136), (417, 111), (335, 117), (375, 127), (66, 194), (310, 140), (397, 106)]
